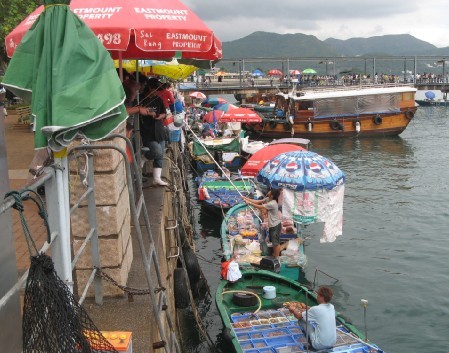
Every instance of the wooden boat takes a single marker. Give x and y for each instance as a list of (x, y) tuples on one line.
[(339, 112), (243, 235), (255, 324)]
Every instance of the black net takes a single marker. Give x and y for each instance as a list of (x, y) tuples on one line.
[(53, 321)]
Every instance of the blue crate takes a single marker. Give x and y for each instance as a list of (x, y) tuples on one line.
[(260, 343), (237, 317), (289, 348), (278, 331), (272, 341)]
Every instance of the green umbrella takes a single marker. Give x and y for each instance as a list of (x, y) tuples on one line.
[(69, 77), (308, 72)]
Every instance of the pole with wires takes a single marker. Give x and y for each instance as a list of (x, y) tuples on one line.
[(221, 169)]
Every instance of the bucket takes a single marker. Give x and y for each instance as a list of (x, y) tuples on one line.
[(174, 136), (269, 292), (177, 107)]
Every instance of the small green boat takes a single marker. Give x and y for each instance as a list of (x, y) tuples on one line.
[(255, 324), (236, 240)]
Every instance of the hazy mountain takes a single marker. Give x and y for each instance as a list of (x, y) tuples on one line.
[(265, 44)]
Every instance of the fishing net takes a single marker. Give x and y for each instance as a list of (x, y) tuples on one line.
[(53, 321)]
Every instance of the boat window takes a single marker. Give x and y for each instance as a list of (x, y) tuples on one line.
[(305, 105), (353, 106)]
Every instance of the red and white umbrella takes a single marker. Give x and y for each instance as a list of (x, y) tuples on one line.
[(275, 72), (138, 29), (213, 116), (242, 115), (295, 72), (197, 95)]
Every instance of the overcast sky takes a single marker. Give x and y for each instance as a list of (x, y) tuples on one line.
[(427, 20)]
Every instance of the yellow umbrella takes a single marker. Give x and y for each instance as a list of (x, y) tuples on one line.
[(171, 70)]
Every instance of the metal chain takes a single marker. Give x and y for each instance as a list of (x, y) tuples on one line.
[(129, 290)]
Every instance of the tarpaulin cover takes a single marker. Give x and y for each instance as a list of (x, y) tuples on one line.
[(232, 146), (357, 105), (311, 206)]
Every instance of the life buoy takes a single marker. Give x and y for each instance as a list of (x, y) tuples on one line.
[(409, 114), (336, 125), (377, 119), (287, 126), (273, 124)]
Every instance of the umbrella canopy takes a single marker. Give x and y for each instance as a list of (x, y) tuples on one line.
[(275, 72), (220, 73), (197, 95), (429, 95), (225, 107), (157, 67), (242, 115), (139, 29), (213, 116), (256, 162), (309, 71), (301, 170), (295, 72), (257, 73), (212, 102), (69, 77)]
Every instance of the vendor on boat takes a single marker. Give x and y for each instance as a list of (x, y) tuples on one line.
[(319, 321), (270, 205)]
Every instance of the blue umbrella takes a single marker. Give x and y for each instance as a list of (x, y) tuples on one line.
[(258, 73), (301, 170), (429, 95)]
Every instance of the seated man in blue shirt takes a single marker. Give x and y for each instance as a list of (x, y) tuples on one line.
[(320, 323)]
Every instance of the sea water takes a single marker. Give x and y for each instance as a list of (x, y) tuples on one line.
[(394, 248)]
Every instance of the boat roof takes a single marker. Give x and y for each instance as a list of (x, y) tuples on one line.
[(336, 92), (292, 140)]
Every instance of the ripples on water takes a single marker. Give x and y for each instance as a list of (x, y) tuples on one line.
[(395, 238)]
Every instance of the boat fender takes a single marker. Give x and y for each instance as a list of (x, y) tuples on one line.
[(377, 119), (336, 125), (206, 194), (227, 335), (192, 264), (287, 126), (244, 299), (273, 124), (180, 289), (290, 119), (409, 114), (357, 126), (309, 126)]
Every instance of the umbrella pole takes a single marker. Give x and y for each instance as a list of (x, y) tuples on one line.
[(64, 260), (120, 65)]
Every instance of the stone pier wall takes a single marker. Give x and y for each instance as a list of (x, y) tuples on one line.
[(113, 217)]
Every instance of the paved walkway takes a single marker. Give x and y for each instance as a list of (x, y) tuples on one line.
[(20, 153)]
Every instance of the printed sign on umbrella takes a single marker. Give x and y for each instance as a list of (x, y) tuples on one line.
[(301, 170), (256, 162), (138, 29), (240, 115)]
